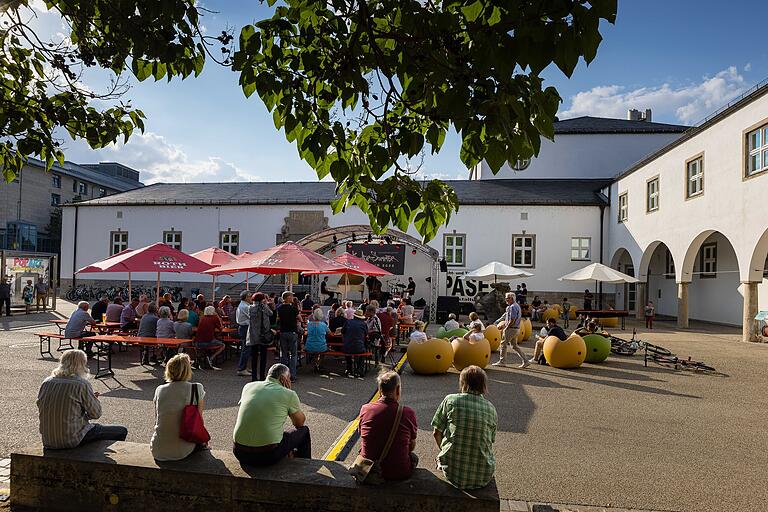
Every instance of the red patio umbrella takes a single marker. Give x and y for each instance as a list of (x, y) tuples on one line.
[(157, 257), (99, 265), (355, 265), (215, 257), (285, 258)]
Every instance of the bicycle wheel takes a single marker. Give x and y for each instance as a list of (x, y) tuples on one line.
[(696, 366), (623, 350), (664, 360), (655, 349)]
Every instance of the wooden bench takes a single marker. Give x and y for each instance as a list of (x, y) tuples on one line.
[(46, 337), (123, 476)]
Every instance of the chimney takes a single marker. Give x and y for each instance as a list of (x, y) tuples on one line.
[(636, 115)]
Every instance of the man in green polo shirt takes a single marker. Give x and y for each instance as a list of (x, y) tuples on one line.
[(465, 430), (264, 405)]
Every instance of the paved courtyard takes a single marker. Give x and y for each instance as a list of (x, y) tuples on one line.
[(616, 434)]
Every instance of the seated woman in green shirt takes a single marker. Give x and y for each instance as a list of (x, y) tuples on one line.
[(465, 430)]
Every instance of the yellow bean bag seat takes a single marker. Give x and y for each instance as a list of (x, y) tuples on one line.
[(525, 330), (569, 353), (493, 335), (466, 353), (550, 313), (572, 313), (430, 357), (558, 308), (612, 321)]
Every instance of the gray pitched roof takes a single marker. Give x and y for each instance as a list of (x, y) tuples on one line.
[(589, 124), (482, 192)]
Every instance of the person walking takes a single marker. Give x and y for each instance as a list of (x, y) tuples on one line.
[(510, 325), (465, 429), (5, 296), (243, 321), (259, 335), (288, 315), (650, 311)]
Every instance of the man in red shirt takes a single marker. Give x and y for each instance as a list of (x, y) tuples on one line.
[(376, 421)]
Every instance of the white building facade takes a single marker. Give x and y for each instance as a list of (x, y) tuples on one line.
[(679, 208)]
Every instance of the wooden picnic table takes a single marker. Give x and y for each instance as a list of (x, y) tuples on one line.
[(61, 324), (141, 341), (605, 313)]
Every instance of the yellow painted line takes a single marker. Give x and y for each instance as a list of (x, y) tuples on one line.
[(346, 435)]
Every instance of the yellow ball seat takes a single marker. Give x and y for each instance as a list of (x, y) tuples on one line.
[(569, 353), (572, 313), (525, 330), (550, 313), (430, 357), (466, 353), (612, 321), (493, 335)]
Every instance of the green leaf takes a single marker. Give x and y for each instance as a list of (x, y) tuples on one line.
[(473, 10)]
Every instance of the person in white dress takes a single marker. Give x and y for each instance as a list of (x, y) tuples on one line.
[(170, 400)]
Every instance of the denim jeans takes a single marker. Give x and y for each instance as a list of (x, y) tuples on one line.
[(288, 349), (245, 350), (101, 432)]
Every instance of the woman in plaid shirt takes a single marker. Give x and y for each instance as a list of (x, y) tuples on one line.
[(465, 430)]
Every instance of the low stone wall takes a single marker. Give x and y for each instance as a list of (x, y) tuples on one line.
[(123, 476)]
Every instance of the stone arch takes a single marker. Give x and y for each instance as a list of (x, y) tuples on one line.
[(648, 253), (686, 269), (757, 266), (658, 274)]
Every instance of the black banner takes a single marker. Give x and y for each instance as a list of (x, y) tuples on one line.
[(390, 257)]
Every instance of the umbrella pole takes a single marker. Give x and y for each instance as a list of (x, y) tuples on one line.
[(130, 294), (157, 294), (213, 289), (247, 287)]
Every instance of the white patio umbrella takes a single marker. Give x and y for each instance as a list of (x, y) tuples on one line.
[(599, 272), (497, 271)]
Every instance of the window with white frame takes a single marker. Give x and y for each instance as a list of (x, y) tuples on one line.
[(708, 260), (757, 150), (652, 203), (580, 248), (55, 199), (623, 210), (56, 181), (694, 177), (102, 192), (669, 266), (172, 238), (230, 241), (523, 250), (454, 249), (82, 188), (118, 241)]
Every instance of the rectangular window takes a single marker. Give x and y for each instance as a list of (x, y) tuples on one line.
[(56, 181), (118, 241), (172, 238), (669, 266), (580, 249), (102, 192), (757, 150), (55, 199), (230, 241), (694, 173), (623, 211), (454, 249), (82, 189), (708, 261), (523, 250), (652, 203)]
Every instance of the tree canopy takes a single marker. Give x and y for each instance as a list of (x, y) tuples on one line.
[(359, 86)]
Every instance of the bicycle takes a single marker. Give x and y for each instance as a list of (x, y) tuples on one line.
[(678, 363), (629, 348)]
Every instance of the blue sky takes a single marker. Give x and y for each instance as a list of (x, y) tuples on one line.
[(682, 58)]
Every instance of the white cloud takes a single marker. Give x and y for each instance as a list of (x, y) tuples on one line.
[(162, 161), (688, 104)]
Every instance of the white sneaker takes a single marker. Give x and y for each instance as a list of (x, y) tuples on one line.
[(499, 363), (531, 361), (243, 373), (525, 364)]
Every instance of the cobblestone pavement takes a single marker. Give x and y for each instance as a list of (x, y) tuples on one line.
[(611, 435)]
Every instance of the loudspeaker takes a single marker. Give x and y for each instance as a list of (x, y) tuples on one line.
[(443, 265), (447, 304)]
